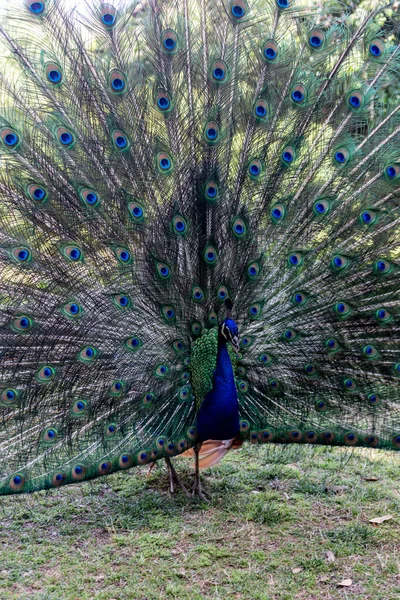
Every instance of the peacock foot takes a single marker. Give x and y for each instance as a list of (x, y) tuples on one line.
[(199, 492), (175, 480)]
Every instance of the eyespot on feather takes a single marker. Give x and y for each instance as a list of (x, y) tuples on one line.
[(164, 163), (133, 343), (35, 7), (169, 313), (9, 397), (117, 81), (298, 94), (65, 137), (270, 51), (72, 253), (219, 71), (120, 141), (261, 110), (54, 74), (169, 41), (316, 39), (45, 374), (37, 193), (17, 482), (210, 255), (10, 138), (123, 255), (238, 9), (89, 197), (108, 15)]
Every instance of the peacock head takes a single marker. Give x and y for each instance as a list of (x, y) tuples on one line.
[(228, 329)]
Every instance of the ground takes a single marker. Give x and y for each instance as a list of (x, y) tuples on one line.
[(283, 523)]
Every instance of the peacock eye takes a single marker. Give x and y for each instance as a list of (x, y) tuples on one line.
[(383, 316), (89, 197), (295, 259), (79, 407), (356, 99), (21, 324), (21, 254), (50, 435), (87, 354), (72, 253), (117, 81), (164, 162), (136, 211), (299, 298), (368, 217), (332, 345), (163, 101), (376, 48), (288, 156), (246, 341), (239, 228), (163, 271), (45, 374), (261, 110), (169, 41), (374, 399), (179, 225), (210, 255), (35, 7), (211, 132), (219, 71), (8, 397), (349, 385), (382, 266), (342, 309), (298, 94), (339, 262), (266, 359), (133, 343), (197, 294), (278, 212), (169, 314), (270, 50), (255, 168), (161, 371), (117, 388), (65, 137), (321, 207), (238, 9), (121, 301), (310, 370), (289, 335), (196, 328), (148, 399), (123, 255), (211, 191), (54, 74), (120, 141), (222, 293), (254, 310), (316, 39), (37, 193), (370, 351), (108, 15), (212, 318)]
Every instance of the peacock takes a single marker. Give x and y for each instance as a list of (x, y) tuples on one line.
[(199, 226)]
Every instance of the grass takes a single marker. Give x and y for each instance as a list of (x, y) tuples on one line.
[(273, 510)]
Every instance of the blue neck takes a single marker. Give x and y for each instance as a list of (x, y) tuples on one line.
[(218, 416)]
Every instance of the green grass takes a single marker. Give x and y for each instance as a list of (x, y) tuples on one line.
[(273, 509)]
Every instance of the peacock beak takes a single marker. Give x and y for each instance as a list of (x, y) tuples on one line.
[(235, 343)]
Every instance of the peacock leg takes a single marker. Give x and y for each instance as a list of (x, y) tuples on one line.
[(175, 479), (197, 488)]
